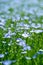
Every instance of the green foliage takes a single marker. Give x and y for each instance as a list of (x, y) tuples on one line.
[(13, 51), (21, 32)]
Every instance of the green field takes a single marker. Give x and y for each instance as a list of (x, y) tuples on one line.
[(21, 38)]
